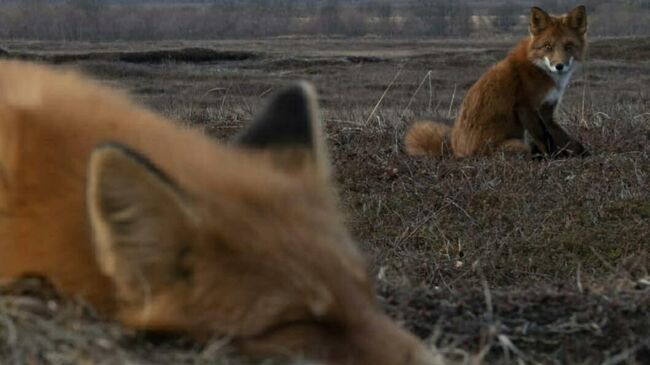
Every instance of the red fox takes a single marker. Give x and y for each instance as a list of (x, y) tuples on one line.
[(164, 229), (515, 99)]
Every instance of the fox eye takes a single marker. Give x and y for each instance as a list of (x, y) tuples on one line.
[(569, 46), (548, 47)]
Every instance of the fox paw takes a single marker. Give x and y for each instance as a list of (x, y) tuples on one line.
[(573, 149)]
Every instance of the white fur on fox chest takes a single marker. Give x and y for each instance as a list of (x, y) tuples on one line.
[(554, 95)]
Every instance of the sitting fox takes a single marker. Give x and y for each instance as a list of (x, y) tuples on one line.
[(516, 99), (167, 230)]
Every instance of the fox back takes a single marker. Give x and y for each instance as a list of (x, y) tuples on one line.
[(164, 229)]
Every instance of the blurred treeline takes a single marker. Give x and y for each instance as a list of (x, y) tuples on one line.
[(105, 20)]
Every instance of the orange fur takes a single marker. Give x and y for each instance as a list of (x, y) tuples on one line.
[(517, 96), (427, 139), (168, 230)]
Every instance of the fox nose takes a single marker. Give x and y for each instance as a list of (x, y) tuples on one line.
[(559, 66)]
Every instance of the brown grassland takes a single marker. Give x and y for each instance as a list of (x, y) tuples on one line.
[(501, 259)]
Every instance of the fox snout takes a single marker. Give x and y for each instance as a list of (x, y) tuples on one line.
[(371, 338), (559, 67), (383, 342), (561, 64)]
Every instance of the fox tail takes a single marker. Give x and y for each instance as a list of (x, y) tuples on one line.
[(427, 139)]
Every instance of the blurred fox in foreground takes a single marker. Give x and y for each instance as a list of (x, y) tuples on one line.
[(515, 100), (166, 230)]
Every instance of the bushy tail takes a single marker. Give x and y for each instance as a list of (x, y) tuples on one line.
[(427, 139)]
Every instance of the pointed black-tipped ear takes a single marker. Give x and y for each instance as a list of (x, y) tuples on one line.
[(290, 118), (577, 19), (139, 219), (291, 121), (539, 20)]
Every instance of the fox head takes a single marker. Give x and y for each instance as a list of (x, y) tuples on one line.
[(558, 43), (257, 253)]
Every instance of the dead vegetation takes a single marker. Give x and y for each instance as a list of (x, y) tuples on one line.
[(497, 259)]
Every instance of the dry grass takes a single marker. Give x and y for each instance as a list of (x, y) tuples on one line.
[(498, 259)]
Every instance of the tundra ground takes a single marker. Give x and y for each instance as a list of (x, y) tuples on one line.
[(499, 259)]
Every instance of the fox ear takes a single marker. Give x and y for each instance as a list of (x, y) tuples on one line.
[(290, 123), (139, 220), (577, 19), (539, 20)]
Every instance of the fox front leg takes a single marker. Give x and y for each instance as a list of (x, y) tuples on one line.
[(535, 132), (565, 144)]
